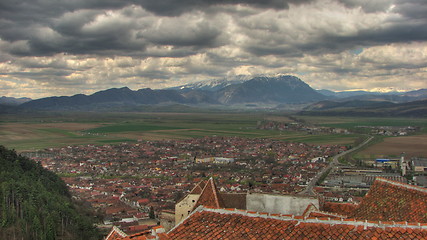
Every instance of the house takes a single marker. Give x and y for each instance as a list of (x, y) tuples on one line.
[(206, 193), (386, 200), (389, 200), (204, 160), (211, 223), (390, 210), (223, 160), (419, 164), (184, 207)]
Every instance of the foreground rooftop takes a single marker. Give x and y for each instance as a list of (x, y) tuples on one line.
[(211, 223)]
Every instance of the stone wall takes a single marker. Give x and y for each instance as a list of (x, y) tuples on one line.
[(283, 204)]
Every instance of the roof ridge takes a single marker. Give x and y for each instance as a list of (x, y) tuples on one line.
[(140, 233), (209, 190), (322, 220), (310, 208), (198, 186), (342, 203), (211, 181), (399, 184), (329, 213), (118, 231)]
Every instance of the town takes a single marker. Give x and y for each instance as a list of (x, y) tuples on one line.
[(135, 187), (302, 126), (130, 182)]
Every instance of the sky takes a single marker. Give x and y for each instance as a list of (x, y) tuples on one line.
[(66, 47)]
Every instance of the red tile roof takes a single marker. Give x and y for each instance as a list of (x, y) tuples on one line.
[(198, 188), (140, 236), (310, 208), (313, 211), (115, 234), (393, 201), (156, 233), (210, 196), (205, 223), (346, 209), (320, 214), (234, 200)]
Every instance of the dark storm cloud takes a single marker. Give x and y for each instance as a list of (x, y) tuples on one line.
[(412, 9), (174, 8), (368, 5), (35, 23), (47, 27), (182, 32), (104, 43), (22, 13), (399, 33), (409, 25), (91, 30), (260, 50)]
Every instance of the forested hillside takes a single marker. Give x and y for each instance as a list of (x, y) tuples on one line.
[(35, 203)]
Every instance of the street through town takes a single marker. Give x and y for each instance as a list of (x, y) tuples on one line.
[(333, 163)]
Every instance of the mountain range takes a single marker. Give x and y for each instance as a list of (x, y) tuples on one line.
[(265, 90), (240, 91)]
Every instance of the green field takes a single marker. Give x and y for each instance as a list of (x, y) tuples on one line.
[(128, 127), (353, 122), (32, 132)]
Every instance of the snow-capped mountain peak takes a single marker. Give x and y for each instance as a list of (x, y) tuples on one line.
[(215, 84)]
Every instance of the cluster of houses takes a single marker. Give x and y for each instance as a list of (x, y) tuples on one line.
[(345, 182), (310, 129), (131, 182), (300, 127), (391, 130)]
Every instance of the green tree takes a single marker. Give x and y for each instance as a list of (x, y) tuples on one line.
[(35, 203)]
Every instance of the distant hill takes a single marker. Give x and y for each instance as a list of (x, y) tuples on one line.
[(7, 109), (421, 93), (11, 101), (396, 98), (331, 105), (377, 96), (114, 98), (344, 94), (35, 203), (367, 108)]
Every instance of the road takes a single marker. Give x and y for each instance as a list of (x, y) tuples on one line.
[(333, 163)]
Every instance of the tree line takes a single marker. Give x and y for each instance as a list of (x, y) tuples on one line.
[(35, 203)]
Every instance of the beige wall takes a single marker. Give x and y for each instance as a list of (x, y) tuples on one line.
[(419, 169), (185, 206), (283, 204)]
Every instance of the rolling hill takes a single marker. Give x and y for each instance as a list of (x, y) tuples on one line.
[(367, 108)]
